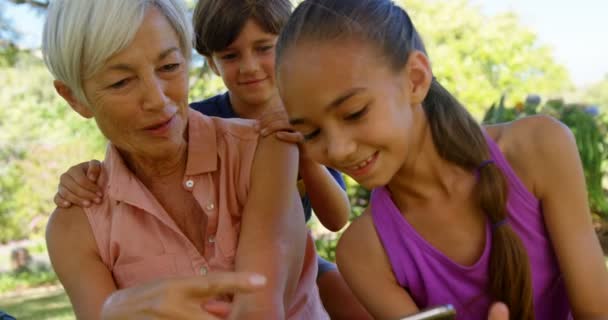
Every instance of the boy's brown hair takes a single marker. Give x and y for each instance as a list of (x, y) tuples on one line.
[(217, 23)]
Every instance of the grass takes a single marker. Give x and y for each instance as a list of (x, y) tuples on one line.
[(46, 305)]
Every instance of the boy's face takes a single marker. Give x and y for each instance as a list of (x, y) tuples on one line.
[(247, 66)]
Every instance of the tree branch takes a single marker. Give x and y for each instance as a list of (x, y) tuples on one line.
[(40, 4)]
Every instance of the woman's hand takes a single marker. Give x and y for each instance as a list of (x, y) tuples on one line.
[(78, 186), (180, 298)]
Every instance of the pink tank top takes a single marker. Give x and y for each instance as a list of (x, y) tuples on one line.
[(432, 279)]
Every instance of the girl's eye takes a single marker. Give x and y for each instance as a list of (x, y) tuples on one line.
[(170, 67), (312, 135), (356, 115), (119, 84)]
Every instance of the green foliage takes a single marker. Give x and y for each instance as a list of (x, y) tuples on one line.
[(478, 58), (44, 305), (40, 137), (597, 94), (11, 281), (589, 129)]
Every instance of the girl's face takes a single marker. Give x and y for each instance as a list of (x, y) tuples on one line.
[(247, 65), (356, 114)]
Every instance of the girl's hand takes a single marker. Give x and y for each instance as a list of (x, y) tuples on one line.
[(78, 186), (498, 311), (180, 298), (274, 121)]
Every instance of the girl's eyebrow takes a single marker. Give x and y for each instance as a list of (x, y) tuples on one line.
[(334, 104)]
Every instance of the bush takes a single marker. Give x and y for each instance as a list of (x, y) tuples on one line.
[(589, 129)]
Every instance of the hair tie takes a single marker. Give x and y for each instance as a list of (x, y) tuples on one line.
[(485, 163), (499, 223)]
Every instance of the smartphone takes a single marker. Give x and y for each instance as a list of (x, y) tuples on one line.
[(444, 312)]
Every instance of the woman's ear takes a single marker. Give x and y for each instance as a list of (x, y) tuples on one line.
[(419, 76), (68, 95), (212, 65)]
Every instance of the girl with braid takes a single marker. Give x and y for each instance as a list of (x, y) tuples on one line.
[(460, 213)]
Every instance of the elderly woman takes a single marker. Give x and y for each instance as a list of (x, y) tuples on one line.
[(188, 198)]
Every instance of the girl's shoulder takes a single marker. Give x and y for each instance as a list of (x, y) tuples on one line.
[(529, 136), (528, 143)]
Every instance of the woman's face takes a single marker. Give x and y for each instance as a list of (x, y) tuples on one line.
[(139, 98), (353, 110)]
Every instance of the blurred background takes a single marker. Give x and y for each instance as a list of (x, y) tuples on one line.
[(502, 58)]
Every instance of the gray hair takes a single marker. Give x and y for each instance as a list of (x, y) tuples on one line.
[(80, 35)]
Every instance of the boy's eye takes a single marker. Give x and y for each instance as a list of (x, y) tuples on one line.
[(312, 135), (228, 56), (170, 67), (265, 48), (356, 115)]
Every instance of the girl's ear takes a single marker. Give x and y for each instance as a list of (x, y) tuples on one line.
[(419, 76), (68, 95), (212, 65)]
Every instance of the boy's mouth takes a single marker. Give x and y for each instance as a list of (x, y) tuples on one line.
[(252, 81)]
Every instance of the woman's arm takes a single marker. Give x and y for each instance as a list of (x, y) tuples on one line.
[(273, 233), (327, 198), (367, 271), (92, 291), (560, 185), (75, 259)]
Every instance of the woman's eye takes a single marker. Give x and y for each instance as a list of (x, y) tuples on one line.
[(312, 135), (119, 84), (357, 115)]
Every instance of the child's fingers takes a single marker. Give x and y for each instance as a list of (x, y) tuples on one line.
[(76, 178), (291, 137), (61, 202), (498, 311), (78, 192), (94, 170), (68, 196), (272, 122)]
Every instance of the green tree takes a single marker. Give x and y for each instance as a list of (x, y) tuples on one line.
[(478, 57), (40, 137), (597, 94)]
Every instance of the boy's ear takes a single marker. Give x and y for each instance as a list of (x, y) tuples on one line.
[(419, 76), (212, 65), (68, 95)]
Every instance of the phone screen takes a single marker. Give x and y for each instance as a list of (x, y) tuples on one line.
[(444, 312)]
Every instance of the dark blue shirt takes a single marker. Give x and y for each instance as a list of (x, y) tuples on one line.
[(220, 106)]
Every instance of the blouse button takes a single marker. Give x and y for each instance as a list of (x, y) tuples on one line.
[(203, 271), (211, 239), (210, 207), (189, 184)]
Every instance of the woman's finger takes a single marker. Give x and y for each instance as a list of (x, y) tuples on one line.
[(218, 283)]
